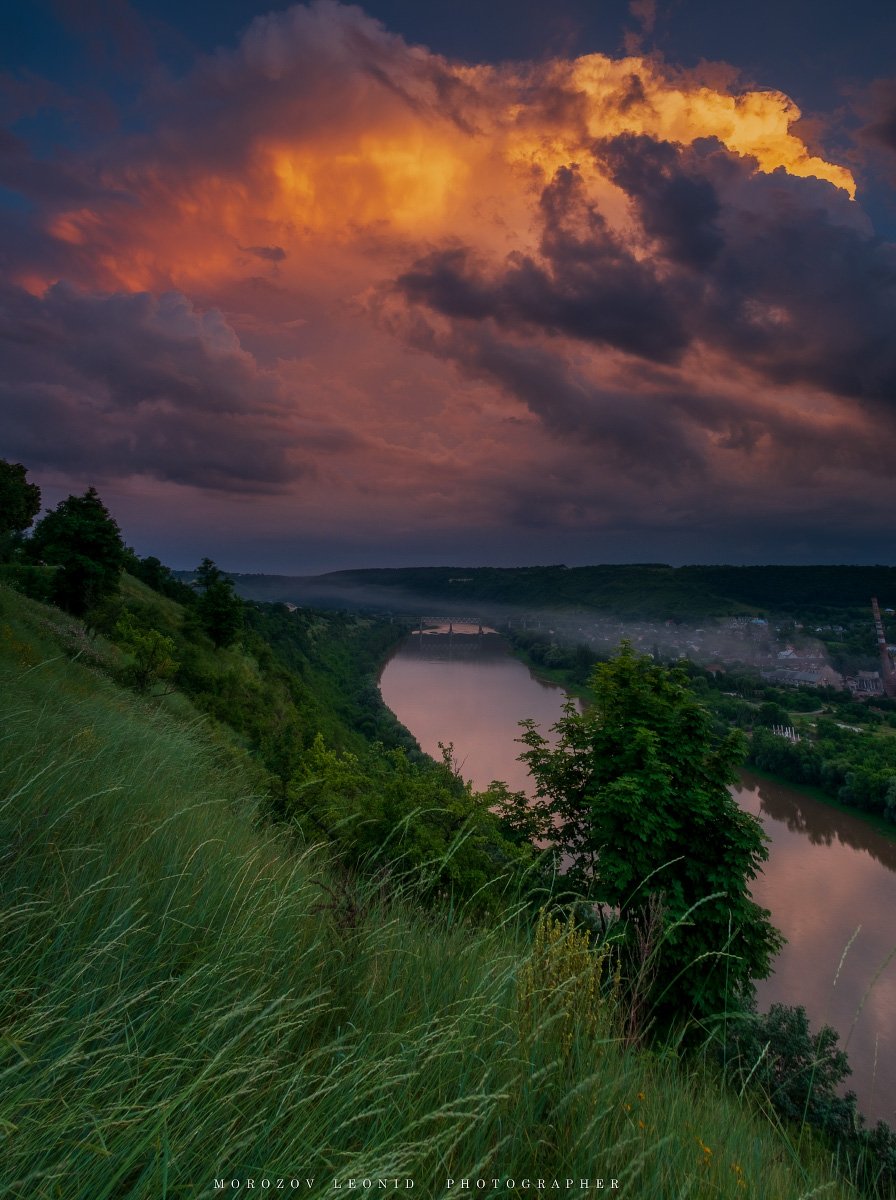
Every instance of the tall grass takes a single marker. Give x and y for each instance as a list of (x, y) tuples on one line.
[(185, 1000)]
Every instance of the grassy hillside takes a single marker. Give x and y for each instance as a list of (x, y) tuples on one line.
[(291, 676), (186, 999)]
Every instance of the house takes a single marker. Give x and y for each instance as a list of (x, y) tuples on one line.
[(866, 683)]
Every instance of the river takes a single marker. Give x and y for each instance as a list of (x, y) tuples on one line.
[(830, 881)]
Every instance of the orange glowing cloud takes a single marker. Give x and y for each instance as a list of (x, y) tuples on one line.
[(408, 146), (756, 124)]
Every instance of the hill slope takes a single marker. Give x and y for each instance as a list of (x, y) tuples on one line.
[(186, 1000)]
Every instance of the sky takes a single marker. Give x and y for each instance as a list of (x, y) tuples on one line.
[(317, 286)]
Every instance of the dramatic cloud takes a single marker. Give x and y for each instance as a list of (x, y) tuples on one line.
[(780, 280), (133, 384), (377, 289), (741, 277), (644, 13), (586, 282)]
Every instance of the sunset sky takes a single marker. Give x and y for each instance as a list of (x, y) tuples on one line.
[(321, 286)]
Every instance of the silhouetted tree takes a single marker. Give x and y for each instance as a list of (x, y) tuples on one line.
[(19, 504), (207, 573), (219, 609), (161, 579), (81, 538)]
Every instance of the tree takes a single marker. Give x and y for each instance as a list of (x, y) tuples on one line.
[(633, 797), (152, 654), (81, 538), (771, 714), (800, 1072), (219, 609), (161, 579), (207, 573), (19, 503)]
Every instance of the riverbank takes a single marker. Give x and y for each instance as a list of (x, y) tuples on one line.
[(878, 824), (557, 676)]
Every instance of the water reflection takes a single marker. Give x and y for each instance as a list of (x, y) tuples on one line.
[(472, 693), (821, 823), (830, 884)]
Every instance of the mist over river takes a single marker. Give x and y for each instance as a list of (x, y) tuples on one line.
[(830, 881)]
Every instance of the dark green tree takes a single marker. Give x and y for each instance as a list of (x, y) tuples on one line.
[(161, 579), (19, 504), (219, 609), (799, 1071), (633, 797), (801, 1074), (81, 538), (207, 573), (771, 714)]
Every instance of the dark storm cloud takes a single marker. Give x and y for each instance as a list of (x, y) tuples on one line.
[(643, 434), (679, 207), (50, 183), (774, 271), (40, 191), (122, 384), (804, 300), (648, 429), (788, 286), (587, 283), (792, 285)]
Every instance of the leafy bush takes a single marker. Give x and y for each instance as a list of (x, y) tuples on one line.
[(151, 653), (800, 1073), (418, 816)]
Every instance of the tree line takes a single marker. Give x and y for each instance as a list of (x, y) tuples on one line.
[(82, 543)]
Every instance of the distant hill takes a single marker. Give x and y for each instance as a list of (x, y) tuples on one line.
[(640, 590)]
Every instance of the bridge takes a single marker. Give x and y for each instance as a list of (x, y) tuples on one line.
[(462, 626)]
